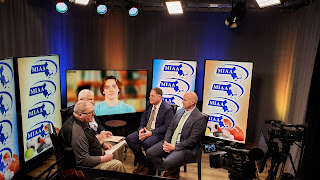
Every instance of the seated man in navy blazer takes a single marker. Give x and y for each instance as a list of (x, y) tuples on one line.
[(153, 126), (182, 139)]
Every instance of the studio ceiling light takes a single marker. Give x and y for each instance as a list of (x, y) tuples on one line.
[(174, 7), (101, 7), (132, 8), (236, 15), (80, 2), (267, 3), (61, 7)]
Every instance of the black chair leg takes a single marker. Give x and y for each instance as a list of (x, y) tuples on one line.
[(185, 168), (199, 170)]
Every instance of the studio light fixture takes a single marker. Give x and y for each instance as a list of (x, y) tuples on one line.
[(61, 6), (101, 7), (80, 2), (132, 8), (267, 3), (174, 7), (236, 15)]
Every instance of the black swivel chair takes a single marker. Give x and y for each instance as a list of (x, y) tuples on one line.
[(198, 160), (58, 151), (174, 107), (70, 161), (66, 113)]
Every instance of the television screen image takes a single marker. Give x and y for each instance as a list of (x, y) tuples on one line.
[(40, 103), (226, 94), (175, 78), (9, 147), (128, 86)]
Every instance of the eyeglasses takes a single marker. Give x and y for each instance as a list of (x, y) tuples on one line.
[(87, 113)]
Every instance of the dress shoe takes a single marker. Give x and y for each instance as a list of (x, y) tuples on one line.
[(150, 172), (139, 169), (165, 174), (174, 176)]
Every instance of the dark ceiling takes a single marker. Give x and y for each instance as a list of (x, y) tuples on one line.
[(188, 5)]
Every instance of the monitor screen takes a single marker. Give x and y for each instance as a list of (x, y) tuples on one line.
[(115, 91), (226, 93), (40, 103), (9, 147), (175, 78)]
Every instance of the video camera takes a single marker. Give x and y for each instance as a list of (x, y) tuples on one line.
[(285, 132), (240, 163)]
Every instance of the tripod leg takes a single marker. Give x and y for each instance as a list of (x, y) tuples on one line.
[(271, 170), (282, 169), (294, 169)]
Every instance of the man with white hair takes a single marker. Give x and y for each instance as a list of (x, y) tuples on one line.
[(88, 95)]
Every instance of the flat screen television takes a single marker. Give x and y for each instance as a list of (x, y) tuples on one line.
[(9, 145), (133, 89)]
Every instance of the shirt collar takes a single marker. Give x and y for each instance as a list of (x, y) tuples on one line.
[(190, 111), (158, 105)]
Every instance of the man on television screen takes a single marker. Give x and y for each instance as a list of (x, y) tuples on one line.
[(153, 125)]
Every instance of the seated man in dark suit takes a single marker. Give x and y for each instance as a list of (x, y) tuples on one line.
[(182, 139), (153, 125)]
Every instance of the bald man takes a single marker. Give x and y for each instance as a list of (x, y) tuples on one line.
[(182, 139), (88, 150)]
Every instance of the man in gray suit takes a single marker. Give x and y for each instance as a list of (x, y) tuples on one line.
[(182, 139)]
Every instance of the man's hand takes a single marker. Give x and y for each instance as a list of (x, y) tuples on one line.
[(105, 158), (104, 135), (141, 131), (107, 146), (108, 133), (144, 135), (167, 147)]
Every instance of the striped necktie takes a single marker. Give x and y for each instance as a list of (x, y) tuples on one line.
[(176, 132), (151, 118)]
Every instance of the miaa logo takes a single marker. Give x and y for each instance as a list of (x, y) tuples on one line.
[(181, 68), (6, 103), (45, 66), (6, 74), (234, 71)]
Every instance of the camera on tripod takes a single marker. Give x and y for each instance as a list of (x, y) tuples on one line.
[(240, 163), (283, 131), (287, 134)]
